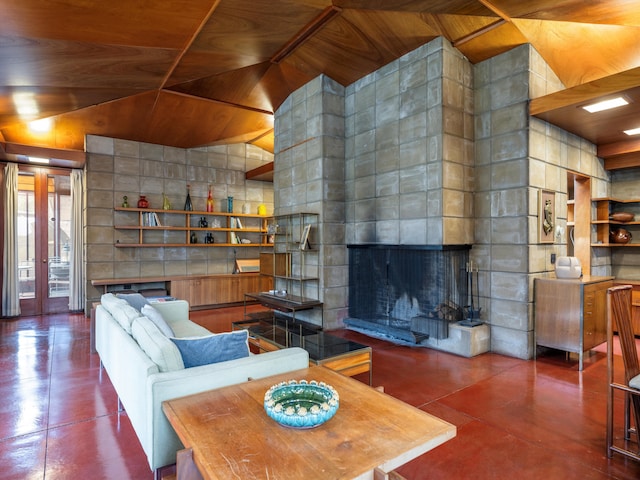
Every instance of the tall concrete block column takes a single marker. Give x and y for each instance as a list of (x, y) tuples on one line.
[(309, 177)]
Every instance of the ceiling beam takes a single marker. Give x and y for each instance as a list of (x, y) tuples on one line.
[(305, 33), (187, 46), (619, 148)]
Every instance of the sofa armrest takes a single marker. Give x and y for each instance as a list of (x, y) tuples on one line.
[(168, 385)]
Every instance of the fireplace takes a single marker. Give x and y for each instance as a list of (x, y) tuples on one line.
[(408, 292)]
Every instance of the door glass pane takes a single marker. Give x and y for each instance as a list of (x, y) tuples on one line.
[(26, 236), (59, 234)]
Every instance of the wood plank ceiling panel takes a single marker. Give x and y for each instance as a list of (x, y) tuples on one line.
[(359, 42), (580, 53), (195, 72), (243, 33)]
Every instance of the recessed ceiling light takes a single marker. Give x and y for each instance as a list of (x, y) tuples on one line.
[(25, 104), (633, 131), (40, 126), (606, 105)]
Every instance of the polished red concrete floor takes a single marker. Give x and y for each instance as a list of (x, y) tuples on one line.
[(516, 419)]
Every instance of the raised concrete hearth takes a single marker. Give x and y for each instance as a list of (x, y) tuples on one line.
[(463, 341)]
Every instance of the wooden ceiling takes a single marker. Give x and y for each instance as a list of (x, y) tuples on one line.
[(189, 73)]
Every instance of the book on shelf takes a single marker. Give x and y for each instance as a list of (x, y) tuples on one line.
[(304, 239), (150, 219), (235, 222)]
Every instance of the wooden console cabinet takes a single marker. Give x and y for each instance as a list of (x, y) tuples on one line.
[(201, 291), (208, 290), (571, 315)]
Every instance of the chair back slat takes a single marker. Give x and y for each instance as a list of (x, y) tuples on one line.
[(620, 304)]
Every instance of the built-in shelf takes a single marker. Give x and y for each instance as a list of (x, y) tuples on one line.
[(178, 228), (604, 208)]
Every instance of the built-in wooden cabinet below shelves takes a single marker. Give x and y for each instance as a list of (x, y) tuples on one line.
[(201, 291), (606, 206), (210, 290), (174, 228)]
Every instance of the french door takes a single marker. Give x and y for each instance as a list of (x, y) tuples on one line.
[(44, 227)]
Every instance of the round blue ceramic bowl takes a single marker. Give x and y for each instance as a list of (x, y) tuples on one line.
[(301, 404)]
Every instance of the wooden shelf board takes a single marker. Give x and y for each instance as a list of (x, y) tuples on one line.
[(615, 244), (173, 245), (191, 212), (616, 200)]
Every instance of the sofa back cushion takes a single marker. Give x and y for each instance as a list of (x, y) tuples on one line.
[(158, 347), (156, 317), (120, 310), (136, 300), (214, 348)]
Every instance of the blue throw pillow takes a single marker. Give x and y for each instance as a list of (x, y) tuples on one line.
[(213, 348)]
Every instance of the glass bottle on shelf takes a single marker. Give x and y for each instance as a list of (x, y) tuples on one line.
[(209, 201), (188, 206)]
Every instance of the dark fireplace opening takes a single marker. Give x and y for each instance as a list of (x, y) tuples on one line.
[(411, 292)]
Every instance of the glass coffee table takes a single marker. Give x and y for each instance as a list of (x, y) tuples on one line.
[(274, 332)]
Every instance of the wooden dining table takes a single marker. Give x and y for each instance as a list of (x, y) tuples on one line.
[(228, 435)]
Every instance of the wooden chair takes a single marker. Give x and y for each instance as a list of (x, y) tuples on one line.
[(619, 319)]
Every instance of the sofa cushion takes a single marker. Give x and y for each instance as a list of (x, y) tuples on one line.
[(120, 310), (158, 347), (156, 317), (214, 348), (136, 300)]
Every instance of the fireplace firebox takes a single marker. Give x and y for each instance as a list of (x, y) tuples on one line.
[(408, 292)]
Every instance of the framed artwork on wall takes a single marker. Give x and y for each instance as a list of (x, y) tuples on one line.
[(546, 216)]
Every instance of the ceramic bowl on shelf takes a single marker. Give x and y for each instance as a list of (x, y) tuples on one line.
[(620, 235), (622, 217), (301, 404)]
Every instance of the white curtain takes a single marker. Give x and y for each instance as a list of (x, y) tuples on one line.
[(10, 285), (76, 260)]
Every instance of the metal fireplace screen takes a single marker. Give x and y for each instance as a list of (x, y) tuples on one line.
[(420, 289)]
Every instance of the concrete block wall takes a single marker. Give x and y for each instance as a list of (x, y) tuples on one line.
[(309, 176), (116, 168), (409, 150), (516, 156)]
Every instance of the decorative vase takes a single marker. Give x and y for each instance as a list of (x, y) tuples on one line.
[(209, 201), (165, 202), (125, 202), (143, 202), (262, 210), (620, 235), (230, 204), (188, 206)]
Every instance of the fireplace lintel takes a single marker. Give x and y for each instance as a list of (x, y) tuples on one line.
[(410, 247)]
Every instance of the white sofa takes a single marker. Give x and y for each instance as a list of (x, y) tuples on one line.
[(141, 384)]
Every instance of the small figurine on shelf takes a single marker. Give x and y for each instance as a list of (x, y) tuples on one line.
[(203, 222), (209, 201), (193, 238), (143, 202), (208, 238), (125, 202), (188, 206), (165, 202)]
